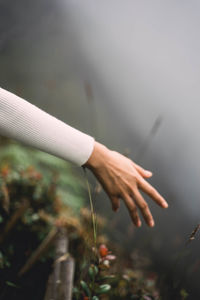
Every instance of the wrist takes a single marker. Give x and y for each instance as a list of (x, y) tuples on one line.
[(97, 157)]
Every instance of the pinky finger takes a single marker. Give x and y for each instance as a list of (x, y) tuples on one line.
[(132, 210), (115, 203)]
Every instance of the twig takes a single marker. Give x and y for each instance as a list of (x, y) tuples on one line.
[(193, 234), (14, 219), (39, 251), (6, 198)]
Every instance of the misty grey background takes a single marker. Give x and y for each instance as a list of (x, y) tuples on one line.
[(141, 59)]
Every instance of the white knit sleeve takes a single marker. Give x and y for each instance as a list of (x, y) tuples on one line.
[(30, 125)]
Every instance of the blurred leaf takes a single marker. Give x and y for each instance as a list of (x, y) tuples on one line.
[(76, 290), (1, 219), (85, 287), (9, 283), (184, 294), (103, 289), (93, 271)]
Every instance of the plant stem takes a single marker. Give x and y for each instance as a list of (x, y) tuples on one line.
[(94, 221)]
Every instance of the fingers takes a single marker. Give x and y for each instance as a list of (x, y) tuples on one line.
[(141, 203), (153, 193), (144, 173), (115, 203), (132, 210)]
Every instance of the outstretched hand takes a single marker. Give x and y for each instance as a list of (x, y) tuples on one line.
[(122, 179)]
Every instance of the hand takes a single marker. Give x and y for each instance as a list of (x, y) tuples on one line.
[(122, 178)]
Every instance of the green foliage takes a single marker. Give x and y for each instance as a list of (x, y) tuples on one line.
[(36, 189), (105, 277), (69, 186), (9, 283), (184, 294), (103, 289), (85, 288), (93, 271)]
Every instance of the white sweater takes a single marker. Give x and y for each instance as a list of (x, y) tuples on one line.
[(30, 125)]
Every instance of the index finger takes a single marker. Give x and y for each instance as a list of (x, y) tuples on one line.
[(153, 193)]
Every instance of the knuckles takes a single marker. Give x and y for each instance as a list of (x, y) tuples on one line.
[(133, 210), (144, 206)]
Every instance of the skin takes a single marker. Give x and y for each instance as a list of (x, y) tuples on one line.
[(121, 178)]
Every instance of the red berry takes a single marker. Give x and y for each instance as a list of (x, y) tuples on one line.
[(103, 250)]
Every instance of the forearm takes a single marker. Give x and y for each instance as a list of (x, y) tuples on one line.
[(32, 126)]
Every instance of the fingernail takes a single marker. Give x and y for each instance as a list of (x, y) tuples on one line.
[(148, 173), (151, 223), (165, 205), (115, 209)]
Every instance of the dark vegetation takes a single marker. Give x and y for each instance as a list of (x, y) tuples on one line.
[(40, 194)]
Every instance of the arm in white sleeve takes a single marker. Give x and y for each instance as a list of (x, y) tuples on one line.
[(30, 125)]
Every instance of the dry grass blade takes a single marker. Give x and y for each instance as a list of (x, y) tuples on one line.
[(93, 215), (193, 234), (62, 258)]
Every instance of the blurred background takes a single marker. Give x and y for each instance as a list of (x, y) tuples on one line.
[(127, 73)]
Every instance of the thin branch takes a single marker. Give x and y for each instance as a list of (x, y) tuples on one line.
[(39, 251)]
